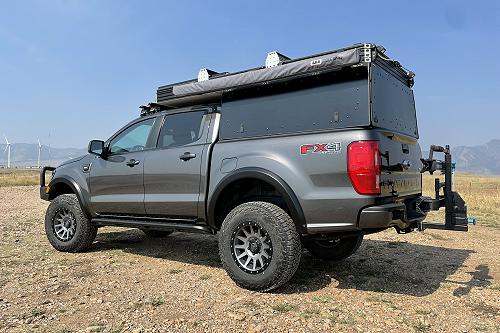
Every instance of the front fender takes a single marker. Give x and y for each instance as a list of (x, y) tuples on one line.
[(81, 194)]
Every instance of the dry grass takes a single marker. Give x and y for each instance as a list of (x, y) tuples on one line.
[(19, 177), (481, 194)]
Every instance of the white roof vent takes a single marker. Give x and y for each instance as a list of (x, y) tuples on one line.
[(275, 58), (205, 74)]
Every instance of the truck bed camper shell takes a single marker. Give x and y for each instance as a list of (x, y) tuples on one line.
[(346, 88)]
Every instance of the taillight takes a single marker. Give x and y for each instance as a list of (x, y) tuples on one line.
[(363, 166)]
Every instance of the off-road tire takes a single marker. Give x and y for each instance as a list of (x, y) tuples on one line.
[(85, 232), (156, 233), (340, 250), (285, 242)]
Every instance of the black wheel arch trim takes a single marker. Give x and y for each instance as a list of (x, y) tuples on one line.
[(76, 190), (270, 177)]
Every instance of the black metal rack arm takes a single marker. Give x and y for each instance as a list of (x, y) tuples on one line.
[(455, 208)]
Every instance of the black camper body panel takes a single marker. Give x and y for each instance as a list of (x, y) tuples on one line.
[(393, 104), (333, 106)]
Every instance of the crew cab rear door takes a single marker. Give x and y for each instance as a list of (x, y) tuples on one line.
[(173, 171)]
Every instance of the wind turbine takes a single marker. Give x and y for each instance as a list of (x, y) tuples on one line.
[(39, 153), (7, 149)]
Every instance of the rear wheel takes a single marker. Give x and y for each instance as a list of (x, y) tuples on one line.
[(66, 226), (259, 246), (156, 233), (334, 250)]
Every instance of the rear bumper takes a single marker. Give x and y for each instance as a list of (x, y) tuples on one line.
[(389, 215), (400, 215)]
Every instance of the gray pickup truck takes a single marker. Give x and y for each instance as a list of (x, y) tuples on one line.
[(313, 152)]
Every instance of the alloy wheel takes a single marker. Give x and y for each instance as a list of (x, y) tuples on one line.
[(251, 247)]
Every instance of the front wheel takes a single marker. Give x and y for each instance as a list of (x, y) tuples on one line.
[(259, 246), (66, 226), (333, 250)]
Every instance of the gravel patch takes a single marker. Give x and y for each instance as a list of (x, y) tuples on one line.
[(436, 281)]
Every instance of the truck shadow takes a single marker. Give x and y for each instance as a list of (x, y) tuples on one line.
[(383, 266), (480, 278), (197, 249), (379, 266)]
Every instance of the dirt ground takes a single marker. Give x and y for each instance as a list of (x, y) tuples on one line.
[(435, 281)]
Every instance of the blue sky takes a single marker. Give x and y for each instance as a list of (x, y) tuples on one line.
[(71, 71)]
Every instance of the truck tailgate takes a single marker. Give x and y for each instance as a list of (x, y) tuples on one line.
[(400, 165)]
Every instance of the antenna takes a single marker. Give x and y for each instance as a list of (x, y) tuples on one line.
[(39, 153), (7, 149)]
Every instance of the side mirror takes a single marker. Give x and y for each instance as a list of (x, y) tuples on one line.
[(96, 147)]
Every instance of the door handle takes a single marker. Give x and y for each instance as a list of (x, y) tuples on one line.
[(187, 156), (132, 163)]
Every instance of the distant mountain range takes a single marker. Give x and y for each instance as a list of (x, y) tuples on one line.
[(482, 159), (26, 154)]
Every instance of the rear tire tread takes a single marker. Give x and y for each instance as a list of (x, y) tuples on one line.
[(287, 235)]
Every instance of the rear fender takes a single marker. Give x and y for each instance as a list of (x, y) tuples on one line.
[(271, 178)]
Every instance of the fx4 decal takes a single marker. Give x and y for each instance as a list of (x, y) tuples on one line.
[(321, 148)]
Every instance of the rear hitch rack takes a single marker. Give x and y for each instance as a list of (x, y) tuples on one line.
[(455, 208)]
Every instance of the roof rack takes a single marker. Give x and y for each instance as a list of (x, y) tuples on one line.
[(151, 108)]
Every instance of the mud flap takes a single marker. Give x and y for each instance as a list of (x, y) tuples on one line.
[(455, 207)]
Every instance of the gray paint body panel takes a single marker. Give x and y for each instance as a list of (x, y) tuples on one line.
[(115, 187), (172, 186), (319, 181)]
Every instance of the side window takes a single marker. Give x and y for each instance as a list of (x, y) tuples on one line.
[(181, 129), (133, 138)]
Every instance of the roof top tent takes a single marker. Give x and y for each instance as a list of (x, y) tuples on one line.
[(353, 86)]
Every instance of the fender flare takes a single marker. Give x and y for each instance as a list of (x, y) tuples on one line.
[(76, 190), (276, 181)]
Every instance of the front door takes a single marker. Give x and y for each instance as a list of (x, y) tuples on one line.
[(116, 180), (172, 171)]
